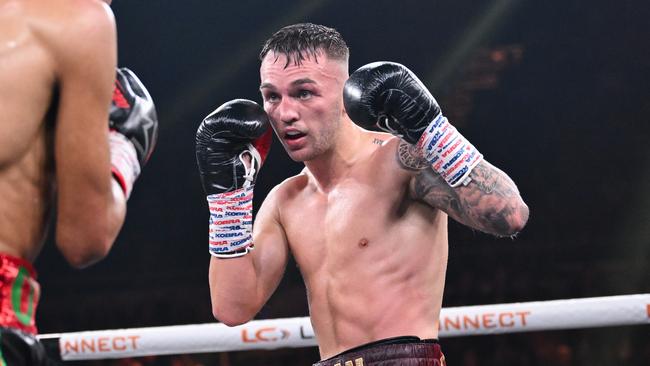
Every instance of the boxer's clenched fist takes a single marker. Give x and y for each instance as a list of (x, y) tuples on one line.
[(391, 97), (134, 128), (231, 145)]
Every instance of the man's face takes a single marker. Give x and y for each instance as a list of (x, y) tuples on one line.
[(304, 102)]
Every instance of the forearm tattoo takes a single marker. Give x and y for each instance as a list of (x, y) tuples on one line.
[(488, 203)]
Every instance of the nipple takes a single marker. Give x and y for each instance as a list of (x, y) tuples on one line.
[(363, 243)]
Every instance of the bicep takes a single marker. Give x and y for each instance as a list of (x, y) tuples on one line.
[(429, 187), (271, 251), (490, 202), (85, 74)]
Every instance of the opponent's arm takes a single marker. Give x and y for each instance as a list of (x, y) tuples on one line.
[(448, 172), (91, 205), (231, 145), (90, 210)]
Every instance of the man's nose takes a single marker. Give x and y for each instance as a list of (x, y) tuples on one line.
[(287, 111)]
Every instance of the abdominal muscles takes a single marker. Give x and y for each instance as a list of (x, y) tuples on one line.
[(376, 274)]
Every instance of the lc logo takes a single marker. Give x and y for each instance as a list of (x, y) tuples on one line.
[(269, 334)]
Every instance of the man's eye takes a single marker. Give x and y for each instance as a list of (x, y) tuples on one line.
[(305, 94), (272, 97)]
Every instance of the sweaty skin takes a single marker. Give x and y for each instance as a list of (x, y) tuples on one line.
[(373, 259), (57, 66), (365, 220)]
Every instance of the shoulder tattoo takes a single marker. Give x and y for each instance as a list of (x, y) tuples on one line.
[(408, 159)]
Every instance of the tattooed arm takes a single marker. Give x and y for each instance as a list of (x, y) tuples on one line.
[(490, 202)]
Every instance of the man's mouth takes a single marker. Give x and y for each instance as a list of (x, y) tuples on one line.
[(293, 135)]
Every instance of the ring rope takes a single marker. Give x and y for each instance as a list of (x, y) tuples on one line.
[(297, 332)]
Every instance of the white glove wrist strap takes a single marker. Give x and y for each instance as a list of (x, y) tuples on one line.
[(124, 161), (448, 152), (231, 223)]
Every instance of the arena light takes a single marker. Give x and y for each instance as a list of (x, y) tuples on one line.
[(224, 71), (481, 29)]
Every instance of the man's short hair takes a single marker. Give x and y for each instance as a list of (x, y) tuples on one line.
[(299, 41)]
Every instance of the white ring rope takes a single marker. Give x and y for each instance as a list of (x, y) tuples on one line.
[(297, 332)]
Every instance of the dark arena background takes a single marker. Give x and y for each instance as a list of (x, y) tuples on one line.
[(555, 93)]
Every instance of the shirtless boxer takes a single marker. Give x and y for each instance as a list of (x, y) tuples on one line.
[(58, 77), (366, 220)]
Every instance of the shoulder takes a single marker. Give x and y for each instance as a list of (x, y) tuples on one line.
[(380, 139), (79, 18), (395, 153), (76, 30), (89, 21), (81, 12), (382, 143), (289, 188), (285, 193)]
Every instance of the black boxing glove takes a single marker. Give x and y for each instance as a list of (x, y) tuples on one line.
[(389, 96), (231, 145), (133, 127)]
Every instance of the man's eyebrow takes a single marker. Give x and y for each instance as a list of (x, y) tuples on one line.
[(293, 83), (303, 81), (267, 86)]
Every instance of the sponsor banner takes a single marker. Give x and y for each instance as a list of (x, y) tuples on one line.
[(196, 338), (297, 332), (545, 315)]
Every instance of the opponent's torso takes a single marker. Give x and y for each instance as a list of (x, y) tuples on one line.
[(373, 259), (26, 127)]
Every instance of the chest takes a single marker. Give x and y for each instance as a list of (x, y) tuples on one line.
[(355, 217), (350, 205)]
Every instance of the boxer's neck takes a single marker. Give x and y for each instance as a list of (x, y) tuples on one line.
[(335, 164)]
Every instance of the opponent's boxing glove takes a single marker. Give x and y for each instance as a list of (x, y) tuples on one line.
[(231, 145), (389, 96), (133, 127)]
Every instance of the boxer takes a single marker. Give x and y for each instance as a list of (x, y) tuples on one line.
[(60, 150), (366, 219)]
